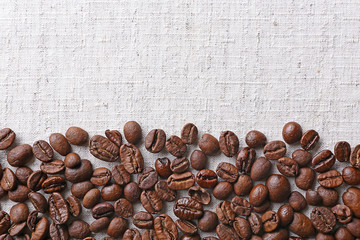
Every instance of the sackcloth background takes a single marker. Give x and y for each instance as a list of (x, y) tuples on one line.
[(223, 65)]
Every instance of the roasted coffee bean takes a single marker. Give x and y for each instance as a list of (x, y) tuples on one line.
[(280, 234), (245, 160), (39, 201), (17, 228), (8, 180), (22, 174), (258, 195), (323, 219), (330, 179), (120, 175), (229, 143), (74, 205), (261, 169), (274, 150), (206, 178), (149, 234), (292, 132), (351, 175), (255, 139), (104, 149), (80, 189), (322, 236), (19, 213), (19, 194), (198, 160), (123, 208), (165, 227), (199, 194), (101, 176), (58, 208), (131, 234), (355, 157), (72, 160), (341, 233), (143, 220), (225, 232), (155, 140), (114, 136), (111, 192), (35, 180), (20, 155), (302, 157), (330, 197), (117, 227), (351, 198), (287, 167), (263, 207), (323, 161), (255, 223), (227, 171), (164, 191), (103, 209), (179, 165), (342, 213), (42, 151), (54, 184), (242, 228), (131, 158), (60, 144), (270, 221), (297, 201), (286, 215), (243, 185), (188, 208), (132, 192), (79, 229), (41, 229), (132, 132), (189, 133), (208, 221), (313, 197), (186, 227), (181, 181), (162, 166), (58, 232), (175, 146), (76, 136), (151, 201), (52, 167), (302, 226), (32, 220), (7, 137), (4, 222), (225, 212), (305, 179), (81, 173), (279, 188), (354, 227), (241, 206), (99, 224), (223, 190), (342, 151), (309, 140), (147, 178), (209, 144)]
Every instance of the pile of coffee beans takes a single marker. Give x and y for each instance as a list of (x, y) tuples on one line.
[(244, 186)]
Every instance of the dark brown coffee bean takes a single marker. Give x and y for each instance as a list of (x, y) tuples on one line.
[(132, 192), (181, 181), (114, 136), (270, 221), (162, 166), (351, 199), (149, 234), (72, 160), (179, 165), (322, 236), (323, 161), (305, 179), (342, 151), (35, 180), (7, 137), (74, 205), (209, 144), (103, 209), (225, 232), (16, 229), (292, 132), (189, 133), (354, 227), (131, 234), (143, 220), (260, 169), (20, 155), (279, 188), (302, 226), (165, 227), (19, 213), (302, 157), (32, 220), (91, 198), (120, 175), (341, 233), (22, 174), (80, 189), (297, 201), (52, 167), (4, 222), (117, 227), (351, 175), (199, 194), (313, 197), (354, 157), (54, 184), (323, 219), (60, 144), (208, 221), (76, 136), (123, 208), (258, 195), (330, 197), (39, 201), (186, 227), (58, 208), (175, 146), (151, 201), (281, 234), (330, 179), (41, 229), (111, 192), (245, 160), (286, 215), (131, 158), (309, 140), (206, 178), (241, 206), (81, 173), (225, 212), (229, 143), (8, 180), (19, 194), (42, 151), (243, 185), (255, 139), (274, 150), (164, 191), (104, 149), (287, 167), (242, 228), (227, 171), (99, 224), (132, 132), (101, 176), (155, 140), (188, 208), (223, 190), (342, 213), (263, 207), (79, 229), (58, 232), (198, 160), (255, 223)]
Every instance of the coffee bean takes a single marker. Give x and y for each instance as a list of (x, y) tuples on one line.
[(225, 232), (305, 179), (101, 176), (7, 137), (181, 181), (279, 234), (286, 215), (35, 180), (131, 234), (263, 207), (188, 208), (229, 143), (227, 171), (52, 167), (99, 224), (206, 178), (103, 209), (165, 227), (91, 198), (209, 144), (208, 221), (342, 233), (74, 205), (351, 199), (123, 208), (270, 221), (313, 197), (323, 161), (149, 234), (179, 165), (186, 227), (189, 133), (243, 185), (223, 190), (76, 136), (297, 201), (199, 194), (79, 229), (322, 236), (111, 192), (22, 174), (242, 228), (354, 227), (151, 201), (155, 140), (8, 180), (351, 175), (58, 208), (302, 226), (342, 213), (245, 160), (292, 132), (175, 146), (41, 229), (19, 194), (274, 150), (309, 140), (255, 139), (114, 136), (81, 173), (279, 188), (162, 166), (287, 167), (143, 220), (19, 213), (258, 195), (198, 160), (42, 151), (104, 149), (60, 144), (323, 219), (260, 169), (17, 228), (131, 158), (330, 179), (39, 201), (117, 227), (4, 222), (32, 220), (58, 232), (80, 189), (132, 132), (20, 155), (225, 212), (241, 206), (355, 157), (255, 223), (72, 160), (302, 157), (54, 184), (330, 197), (342, 151), (164, 191), (120, 175)]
